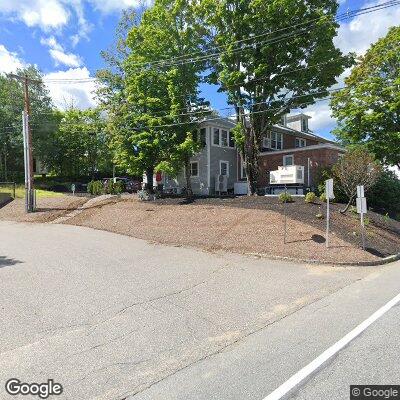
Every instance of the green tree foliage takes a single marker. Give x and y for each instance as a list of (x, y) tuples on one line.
[(11, 107), (79, 145), (275, 56), (384, 196), (368, 110), (152, 128)]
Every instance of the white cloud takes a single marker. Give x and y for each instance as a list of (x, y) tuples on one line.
[(58, 54), (355, 36), (46, 14), (110, 6), (64, 94), (9, 61), (358, 34), (68, 59)]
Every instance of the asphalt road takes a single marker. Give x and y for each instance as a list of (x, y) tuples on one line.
[(112, 317)]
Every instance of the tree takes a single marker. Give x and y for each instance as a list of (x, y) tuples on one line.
[(155, 121), (356, 167), (80, 145), (268, 63), (368, 109), (11, 107)]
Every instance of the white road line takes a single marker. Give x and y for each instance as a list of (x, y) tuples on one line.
[(327, 354)]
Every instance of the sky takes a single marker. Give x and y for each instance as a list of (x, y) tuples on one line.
[(64, 39)]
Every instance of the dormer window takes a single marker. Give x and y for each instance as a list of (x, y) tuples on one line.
[(304, 124)]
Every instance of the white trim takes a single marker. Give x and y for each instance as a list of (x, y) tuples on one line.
[(227, 169), (198, 172), (300, 139), (284, 160), (310, 368), (307, 148), (213, 128), (242, 163)]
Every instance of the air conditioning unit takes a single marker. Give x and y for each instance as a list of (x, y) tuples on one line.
[(221, 183), (286, 175)]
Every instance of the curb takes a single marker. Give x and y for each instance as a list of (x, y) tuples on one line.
[(383, 261)]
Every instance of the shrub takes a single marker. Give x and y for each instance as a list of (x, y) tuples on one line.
[(322, 197), (95, 188), (310, 197), (385, 194), (285, 198), (118, 187)]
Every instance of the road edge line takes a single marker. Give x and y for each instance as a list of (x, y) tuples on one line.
[(298, 377)]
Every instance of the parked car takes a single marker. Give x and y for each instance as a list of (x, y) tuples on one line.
[(130, 185)]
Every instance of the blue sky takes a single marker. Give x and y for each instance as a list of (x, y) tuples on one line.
[(64, 39)]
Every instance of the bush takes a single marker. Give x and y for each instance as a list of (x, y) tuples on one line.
[(285, 198), (118, 187), (322, 197), (384, 196), (310, 197), (95, 188)]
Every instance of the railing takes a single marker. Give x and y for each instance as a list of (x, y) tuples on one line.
[(13, 186)]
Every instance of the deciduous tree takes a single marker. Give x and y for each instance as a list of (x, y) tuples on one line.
[(368, 109)]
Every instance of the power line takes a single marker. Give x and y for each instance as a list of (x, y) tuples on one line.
[(181, 60)]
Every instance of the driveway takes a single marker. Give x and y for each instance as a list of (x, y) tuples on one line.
[(110, 316)]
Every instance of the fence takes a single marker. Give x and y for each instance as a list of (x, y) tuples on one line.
[(8, 187)]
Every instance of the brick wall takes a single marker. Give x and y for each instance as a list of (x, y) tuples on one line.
[(319, 158)]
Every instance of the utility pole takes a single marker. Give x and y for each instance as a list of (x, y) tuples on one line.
[(28, 157)]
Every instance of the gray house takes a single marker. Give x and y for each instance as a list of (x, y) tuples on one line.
[(290, 153), (218, 158)]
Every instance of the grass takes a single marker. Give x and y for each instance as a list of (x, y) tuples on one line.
[(20, 192)]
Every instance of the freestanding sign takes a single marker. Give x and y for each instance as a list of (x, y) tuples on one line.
[(329, 195), (361, 202)]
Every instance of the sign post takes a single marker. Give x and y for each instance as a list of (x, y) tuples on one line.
[(73, 189), (285, 217), (361, 209), (329, 195)]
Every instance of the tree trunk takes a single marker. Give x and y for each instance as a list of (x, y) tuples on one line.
[(149, 177), (251, 158), (348, 205), (189, 191)]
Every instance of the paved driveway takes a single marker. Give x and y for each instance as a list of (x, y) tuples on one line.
[(109, 316)]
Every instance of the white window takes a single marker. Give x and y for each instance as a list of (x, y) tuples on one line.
[(304, 124), (224, 138), (273, 140), (224, 168), (194, 168), (300, 142), (216, 137), (288, 160)]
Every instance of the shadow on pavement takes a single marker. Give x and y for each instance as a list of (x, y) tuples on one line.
[(6, 262)]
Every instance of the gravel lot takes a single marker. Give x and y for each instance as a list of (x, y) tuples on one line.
[(215, 225), (48, 209)]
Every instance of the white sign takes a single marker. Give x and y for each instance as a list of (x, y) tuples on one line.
[(360, 191), (361, 205), (329, 189)]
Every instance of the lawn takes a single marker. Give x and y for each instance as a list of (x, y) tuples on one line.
[(20, 192)]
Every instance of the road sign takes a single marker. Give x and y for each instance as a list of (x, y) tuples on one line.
[(361, 205), (360, 191), (329, 189)]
